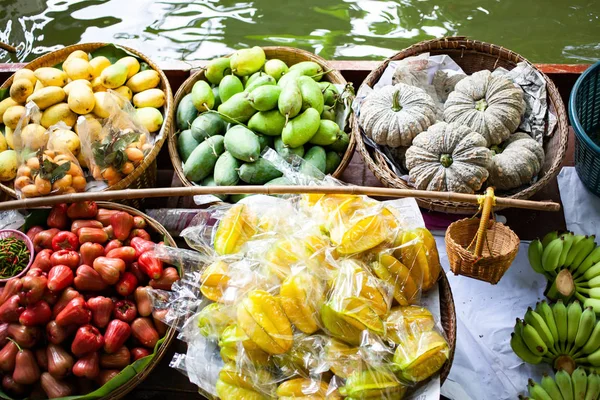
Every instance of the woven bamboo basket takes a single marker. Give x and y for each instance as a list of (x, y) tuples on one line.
[(290, 56), (448, 320), (144, 175), (481, 248), (471, 56)]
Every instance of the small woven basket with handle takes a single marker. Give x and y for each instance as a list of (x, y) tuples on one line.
[(481, 248)]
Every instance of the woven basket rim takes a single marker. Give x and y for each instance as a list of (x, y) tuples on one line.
[(334, 76), (52, 58), (468, 222), (448, 319), (386, 176)]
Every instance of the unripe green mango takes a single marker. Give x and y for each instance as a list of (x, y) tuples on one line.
[(203, 96), (225, 173), (259, 172), (341, 144), (186, 144), (262, 80), (230, 85), (328, 113), (332, 161), (247, 61), (326, 134), (301, 129), (286, 152), (264, 98), (206, 125), (238, 107), (316, 157), (201, 162), (309, 68), (217, 69), (290, 100), (242, 143), (330, 92), (269, 123), (311, 94), (276, 68)]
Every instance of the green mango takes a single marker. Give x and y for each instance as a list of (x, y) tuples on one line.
[(237, 197), (276, 68), (282, 180), (265, 141), (311, 94), (242, 143), (207, 125), (238, 107), (330, 93), (249, 79), (264, 98), (202, 96), (326, 134), (290, 100), (186, 112), (226, 167), (263, 80), (328, 113), (230, 85), (309, 68), (301, 129), (210, 181), (247, 61), (316, 157), (258, 172), (186, 144), (218, 101), (287, 152), (269, 123), (216, 69), (332, 161), (341, 144), (289, 77), (201, 162)]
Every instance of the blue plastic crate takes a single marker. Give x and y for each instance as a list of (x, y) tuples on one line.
[(584, 113)]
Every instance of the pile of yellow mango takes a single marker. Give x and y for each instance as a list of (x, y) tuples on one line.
[(77, 87), (320, 300)]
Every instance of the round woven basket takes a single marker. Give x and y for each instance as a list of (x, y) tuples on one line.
[(471, 56), (144, 175), (290, 56), (448, 320)]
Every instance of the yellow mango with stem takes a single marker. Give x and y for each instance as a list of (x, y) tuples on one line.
[(236, 227)]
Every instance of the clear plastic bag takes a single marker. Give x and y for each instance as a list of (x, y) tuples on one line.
[(47, 158), (114, 146)]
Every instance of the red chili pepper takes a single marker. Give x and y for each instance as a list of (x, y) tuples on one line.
[(104, 215), (64, 299), (58, 217), (142, 278), (113, 244), (43, 240), (126, 284), (125, 310), (69, 258), (116, 334), (89, 252), (36, 314), (60, 277), (87, 340), (141, 245), (13, 286), (11, 310), (119, 359), (83, 210), (151, 265), (85, 223), (42, 260), (125, 253), (34, 284), (94, 235), (143, 330), (57, 334), (139, 352), (122, 223), (33, 231), (110, 269), (65, 240), (102, 308), (87, 279), (75, 313), (139, 233), (139, 222), (87, 366), (166, 280)]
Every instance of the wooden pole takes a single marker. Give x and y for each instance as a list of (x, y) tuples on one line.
[(204, 190), (8, 47)]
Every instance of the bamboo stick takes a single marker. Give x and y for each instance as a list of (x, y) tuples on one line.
[(204, 190), (8, 47)]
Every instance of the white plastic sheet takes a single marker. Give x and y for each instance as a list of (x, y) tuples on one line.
[(580, 206)]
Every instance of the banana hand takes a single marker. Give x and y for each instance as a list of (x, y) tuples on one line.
[(534, 254), (563, 381), (522, 351), (579, 379), (560, 316), (551, 254)]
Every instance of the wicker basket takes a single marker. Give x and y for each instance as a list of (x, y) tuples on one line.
[(471, 56), (144, 175), (448, 319), (290, 56), (481, 248)]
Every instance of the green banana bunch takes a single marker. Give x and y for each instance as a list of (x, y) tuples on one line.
[(577, 386)]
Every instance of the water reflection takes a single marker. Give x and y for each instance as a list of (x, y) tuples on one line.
[(542, 30)]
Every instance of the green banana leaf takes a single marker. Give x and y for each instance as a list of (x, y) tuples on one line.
[(36, 217), (4, 93)]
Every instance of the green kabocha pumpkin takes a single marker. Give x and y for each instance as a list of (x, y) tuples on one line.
[(393, 115), (516, 161), (448, 158), (490, 105)]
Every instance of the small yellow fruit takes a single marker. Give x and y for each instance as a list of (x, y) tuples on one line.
[(25, 74), (133, 65), (125, 92), (38, 85), (149, 98), (114, 76), (143, 81), (77, 82), (47, 96), (105, 102), (12, 115), (3, 144), (98, 65), (5, 105), (64, 138), (78, 54), (57, 113), (97, 85), (34, 136), (51, 76), (8, 165), (150, 118), (81, 100), (9, 136), (78, 69), (20, 90), (93, 128)]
